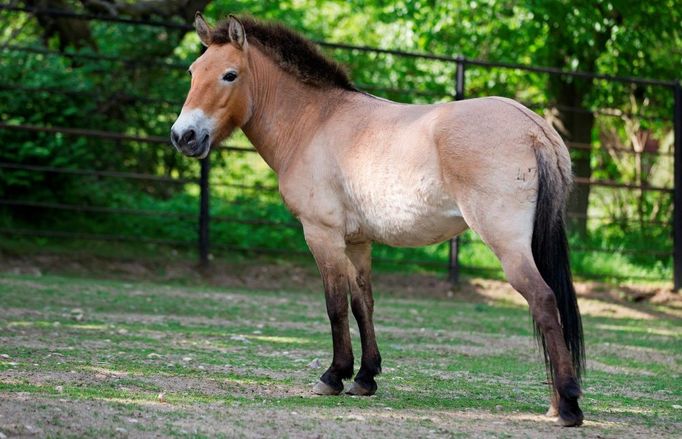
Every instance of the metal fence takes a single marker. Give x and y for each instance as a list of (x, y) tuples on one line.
[(204, 245)]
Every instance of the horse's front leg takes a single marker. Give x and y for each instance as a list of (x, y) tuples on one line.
[(328, 248)]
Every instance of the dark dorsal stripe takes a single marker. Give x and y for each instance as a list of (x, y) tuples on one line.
[(292, 52)]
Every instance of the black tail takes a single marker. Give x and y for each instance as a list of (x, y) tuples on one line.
[(550, 251)]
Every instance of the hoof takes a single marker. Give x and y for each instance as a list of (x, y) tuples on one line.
[(570, 422), (570, 414), (357, 390), (321, 388)]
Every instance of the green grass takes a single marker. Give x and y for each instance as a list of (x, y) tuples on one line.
[(448, 364)]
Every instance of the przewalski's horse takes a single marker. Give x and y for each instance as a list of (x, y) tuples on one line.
[(355, 169)]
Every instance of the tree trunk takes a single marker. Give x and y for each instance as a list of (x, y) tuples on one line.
[(574, 121), (76, 33), (71, 32), (575, 124)]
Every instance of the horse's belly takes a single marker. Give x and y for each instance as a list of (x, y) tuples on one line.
[(405, 230), (394, 187), (406, 219)]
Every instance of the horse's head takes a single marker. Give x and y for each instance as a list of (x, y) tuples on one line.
[(219, 98)]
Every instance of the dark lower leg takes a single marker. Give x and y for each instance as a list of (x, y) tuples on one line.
[(524, 277), (362, 305), (565, 384), (342, 363)]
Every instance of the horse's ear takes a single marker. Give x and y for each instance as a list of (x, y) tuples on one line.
[(203, 29), (237, 33)]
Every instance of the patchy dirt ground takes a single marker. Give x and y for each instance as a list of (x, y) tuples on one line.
[(102, 348), (212, 420)]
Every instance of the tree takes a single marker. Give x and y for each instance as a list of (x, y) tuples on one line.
[(130, 95), (606, 36), (587, 36), (76, 32)]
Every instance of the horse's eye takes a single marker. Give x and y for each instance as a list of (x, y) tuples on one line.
[(189, 72), (230, 76)]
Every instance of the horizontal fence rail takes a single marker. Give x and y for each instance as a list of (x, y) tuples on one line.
[(204, 182)]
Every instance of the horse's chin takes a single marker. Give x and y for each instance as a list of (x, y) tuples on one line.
[(204, 153), (213, 141), (199, 152)]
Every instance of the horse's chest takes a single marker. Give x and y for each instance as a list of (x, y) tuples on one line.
[(402, 212)]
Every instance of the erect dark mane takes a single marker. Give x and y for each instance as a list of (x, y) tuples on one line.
[(291, 52)]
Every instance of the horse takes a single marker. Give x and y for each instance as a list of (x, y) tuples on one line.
[(356, 169)]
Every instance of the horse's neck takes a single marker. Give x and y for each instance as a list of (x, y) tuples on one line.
[(285, 112)]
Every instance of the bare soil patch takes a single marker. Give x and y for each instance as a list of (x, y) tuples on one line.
[(20, 416), (601, 299)]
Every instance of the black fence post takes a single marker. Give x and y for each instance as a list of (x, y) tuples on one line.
[(204, 216), (677, 200), (453, 252), (459, 79)]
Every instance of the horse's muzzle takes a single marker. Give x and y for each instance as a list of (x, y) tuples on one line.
[(191, 143)]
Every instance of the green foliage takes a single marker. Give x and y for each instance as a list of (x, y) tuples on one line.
[(141, 96), (131, 96)]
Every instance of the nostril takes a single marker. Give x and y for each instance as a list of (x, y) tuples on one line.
[(175, 137), (188, 136)]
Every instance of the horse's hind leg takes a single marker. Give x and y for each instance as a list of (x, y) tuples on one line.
[(523, 275), (510, 239)]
